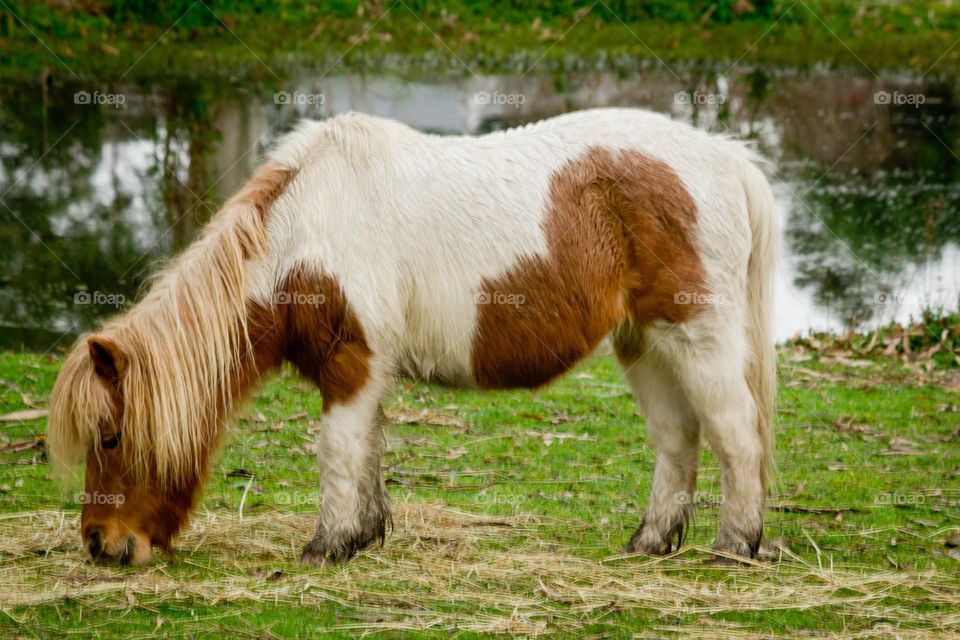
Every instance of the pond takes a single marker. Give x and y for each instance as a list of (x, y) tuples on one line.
[(99, 184)]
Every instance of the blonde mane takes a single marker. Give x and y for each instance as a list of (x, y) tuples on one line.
[(184, 345)]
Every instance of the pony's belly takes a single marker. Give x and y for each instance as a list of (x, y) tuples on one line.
[(438, 338), (444, 371)]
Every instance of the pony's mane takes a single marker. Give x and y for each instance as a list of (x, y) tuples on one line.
[(355, 136), (183, 344)]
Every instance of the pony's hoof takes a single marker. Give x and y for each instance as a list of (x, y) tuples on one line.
[(737, 549), (635, 547), (645, 543), (327, 548), (318, 553)]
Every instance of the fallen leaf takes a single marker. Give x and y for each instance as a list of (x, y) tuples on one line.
[(25, 445), (531, 416), (901, 447), (549, 437), (456, 452), (847, 362), (427, 418), (26, 414)]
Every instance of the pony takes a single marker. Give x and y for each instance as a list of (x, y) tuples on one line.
[(363, 249)]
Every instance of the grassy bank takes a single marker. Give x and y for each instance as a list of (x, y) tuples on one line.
[(120, 38), (509, 512)]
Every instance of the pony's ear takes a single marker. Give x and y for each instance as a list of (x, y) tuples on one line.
[(108, 359)]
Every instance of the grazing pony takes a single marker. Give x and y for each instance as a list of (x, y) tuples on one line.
[(363, 249)]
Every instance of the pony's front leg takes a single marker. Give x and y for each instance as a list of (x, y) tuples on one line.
[(356, 508)]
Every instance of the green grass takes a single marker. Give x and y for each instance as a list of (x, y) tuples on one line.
[(865, 496), (114, 40)]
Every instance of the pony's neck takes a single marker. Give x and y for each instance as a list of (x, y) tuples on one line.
[(198, 341)]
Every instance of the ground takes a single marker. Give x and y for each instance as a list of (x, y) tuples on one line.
[(510, 510)]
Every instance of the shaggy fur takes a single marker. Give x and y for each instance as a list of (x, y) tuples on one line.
[(364, 248)]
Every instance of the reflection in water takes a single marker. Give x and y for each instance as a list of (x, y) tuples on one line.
[(95, 197)]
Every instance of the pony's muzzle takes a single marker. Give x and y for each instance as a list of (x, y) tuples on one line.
[(125, 551)]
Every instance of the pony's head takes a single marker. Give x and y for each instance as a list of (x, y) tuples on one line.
[(137, 491), (142, 402)]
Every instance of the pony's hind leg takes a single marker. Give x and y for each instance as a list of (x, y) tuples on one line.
[(675, 434), (712, 374), (356, 508)]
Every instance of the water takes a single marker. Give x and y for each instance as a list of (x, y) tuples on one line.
[(97, 191)]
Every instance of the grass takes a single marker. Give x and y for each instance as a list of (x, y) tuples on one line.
[(510, 509), (102, 41)]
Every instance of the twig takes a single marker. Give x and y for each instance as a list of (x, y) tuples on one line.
[(243, 498)]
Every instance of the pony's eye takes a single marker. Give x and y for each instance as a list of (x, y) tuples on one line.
[(110, 442)]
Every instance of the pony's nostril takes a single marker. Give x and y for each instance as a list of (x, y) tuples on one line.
[(95, 543)]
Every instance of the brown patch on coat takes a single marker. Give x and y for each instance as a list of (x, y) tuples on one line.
[(264, 187), (619, 233), (311, 325)]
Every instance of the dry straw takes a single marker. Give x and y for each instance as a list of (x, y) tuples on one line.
[(446, 570)]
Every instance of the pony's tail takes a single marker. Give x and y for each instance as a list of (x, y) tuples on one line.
[(762, 367)]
